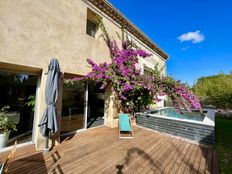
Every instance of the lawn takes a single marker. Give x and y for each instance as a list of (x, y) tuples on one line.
[(224, 144)]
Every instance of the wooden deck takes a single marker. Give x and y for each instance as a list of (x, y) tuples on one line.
[(100, 151)]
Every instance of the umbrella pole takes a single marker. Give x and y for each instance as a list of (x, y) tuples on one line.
[(46, 149)]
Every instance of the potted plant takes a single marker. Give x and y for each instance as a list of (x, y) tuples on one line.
[(6, 126)]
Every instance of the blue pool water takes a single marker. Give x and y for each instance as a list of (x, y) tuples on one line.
[(171, 112)]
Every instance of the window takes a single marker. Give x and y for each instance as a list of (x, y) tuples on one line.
[(147, 71), (17, 94), (91, 28), (91, 23)]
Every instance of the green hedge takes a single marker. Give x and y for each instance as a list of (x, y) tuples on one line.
[(215, 90)]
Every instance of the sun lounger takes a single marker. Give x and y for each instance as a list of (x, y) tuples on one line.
[(125, 127)]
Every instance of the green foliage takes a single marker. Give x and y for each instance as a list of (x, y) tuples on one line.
[(224, 144), (78, 85), (31, 102), (215, 90), (6, 124)]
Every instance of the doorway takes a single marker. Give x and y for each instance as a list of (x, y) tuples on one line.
[(82, 105), (95, 116), (73, 105)]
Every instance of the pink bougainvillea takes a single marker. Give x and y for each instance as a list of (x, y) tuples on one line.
[(134, 89)]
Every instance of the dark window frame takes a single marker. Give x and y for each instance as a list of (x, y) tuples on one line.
[(91, 28)]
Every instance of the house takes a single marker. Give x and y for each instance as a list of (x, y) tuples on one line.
[(33, 32)]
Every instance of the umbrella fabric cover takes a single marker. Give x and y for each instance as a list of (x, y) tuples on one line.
[(49, 119)]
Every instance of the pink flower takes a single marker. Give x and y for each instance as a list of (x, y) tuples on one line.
[(133, 88)]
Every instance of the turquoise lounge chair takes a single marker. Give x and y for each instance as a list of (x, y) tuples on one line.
[(125, 127)]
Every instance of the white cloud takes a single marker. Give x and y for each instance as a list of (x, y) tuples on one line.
[(194, 37), (184, 48)]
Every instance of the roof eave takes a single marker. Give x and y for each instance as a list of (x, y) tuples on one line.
[(117, 16)]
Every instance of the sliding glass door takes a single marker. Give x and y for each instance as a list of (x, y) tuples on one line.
[(95, 105), (82, 105), (73, 106), (17, 103)]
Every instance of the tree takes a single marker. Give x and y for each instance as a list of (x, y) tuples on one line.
[(215, 90)]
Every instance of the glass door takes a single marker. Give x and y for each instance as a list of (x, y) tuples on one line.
[(17, 103), (73, 105), (96, 105)]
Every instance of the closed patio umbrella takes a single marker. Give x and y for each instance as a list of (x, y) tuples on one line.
[(49, 121)]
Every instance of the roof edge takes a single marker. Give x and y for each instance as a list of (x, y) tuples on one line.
[(117, 16)]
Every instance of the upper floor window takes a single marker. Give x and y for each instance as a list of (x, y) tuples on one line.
[(91, 28), (148, 71), (91, 23)]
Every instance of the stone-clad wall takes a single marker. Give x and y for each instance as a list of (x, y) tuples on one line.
[(197, 132)]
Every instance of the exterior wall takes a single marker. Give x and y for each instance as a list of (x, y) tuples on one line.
[(39, 30), (33, 32)]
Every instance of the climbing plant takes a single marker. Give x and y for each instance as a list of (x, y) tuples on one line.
[(133, 89)]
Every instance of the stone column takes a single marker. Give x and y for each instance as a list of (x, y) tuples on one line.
[(112, 108), (38, 139)]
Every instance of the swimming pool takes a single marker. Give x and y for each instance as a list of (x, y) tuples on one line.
[(171, 112), (195, 126)]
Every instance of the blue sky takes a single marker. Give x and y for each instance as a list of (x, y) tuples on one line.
[(205, 26)]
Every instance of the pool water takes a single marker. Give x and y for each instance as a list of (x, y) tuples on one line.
[(171, 112)]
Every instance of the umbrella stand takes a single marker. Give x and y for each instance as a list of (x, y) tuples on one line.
[(46, 149)]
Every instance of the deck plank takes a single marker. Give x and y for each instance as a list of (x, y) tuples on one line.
[(144, 155), (100, 150), (190, 163), (131, 155), (147, 159), (203, 163), (158, 155), (197, 160), (182, 154), (185, 160), (167, 159), (21, 152)]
